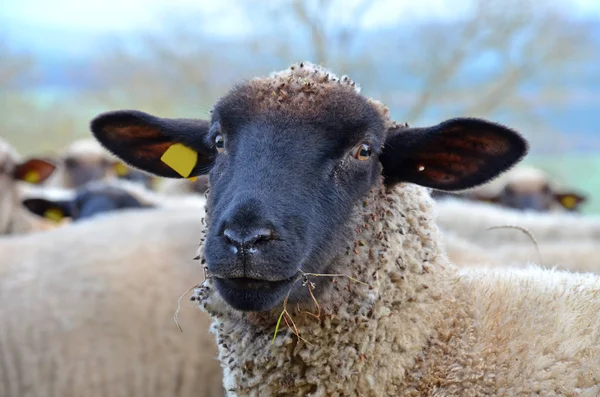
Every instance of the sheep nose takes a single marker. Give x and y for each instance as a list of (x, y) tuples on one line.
[(248, 239)]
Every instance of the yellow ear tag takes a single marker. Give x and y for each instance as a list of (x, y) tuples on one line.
[(54, 214), (568, 202), (121, 169), (32, 176), (193, 179), (180, 158)]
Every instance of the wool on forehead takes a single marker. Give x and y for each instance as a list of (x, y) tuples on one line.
[(304, 90)]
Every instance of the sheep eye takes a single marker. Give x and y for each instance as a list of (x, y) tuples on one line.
[(220, 143), (363, 152)]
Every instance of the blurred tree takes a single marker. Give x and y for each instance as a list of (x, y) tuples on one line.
[(168, 71), (28, 121), (327, 32), (503, 59), (14, 67)]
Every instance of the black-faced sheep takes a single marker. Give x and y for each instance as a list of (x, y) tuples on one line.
[(14, 173), (85, 160), (524, 188), (92, 199), (102, 197), (309, 180)]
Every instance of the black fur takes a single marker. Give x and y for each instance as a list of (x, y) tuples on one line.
[(284, 186)]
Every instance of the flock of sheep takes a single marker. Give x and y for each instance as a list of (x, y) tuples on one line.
[(489, 292)]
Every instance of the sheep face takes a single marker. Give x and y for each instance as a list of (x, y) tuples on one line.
[(33, 170), (86, 161), (287, 172), (93, 199)]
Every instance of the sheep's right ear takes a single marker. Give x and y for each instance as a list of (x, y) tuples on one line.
[(49, 209), (570, 200), (455, 155), (172, 148), (33, 170)]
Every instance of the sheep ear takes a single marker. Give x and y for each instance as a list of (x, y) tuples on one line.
[(34, 170), (569, 201), (455, 155), (49, 209), (172, 148)]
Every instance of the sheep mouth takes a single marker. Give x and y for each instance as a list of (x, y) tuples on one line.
[(244, 283), (252, 295)]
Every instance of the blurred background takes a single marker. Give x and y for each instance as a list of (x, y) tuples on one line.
[(531, 64)]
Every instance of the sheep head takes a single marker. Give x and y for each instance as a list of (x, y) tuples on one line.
[(290, 156)]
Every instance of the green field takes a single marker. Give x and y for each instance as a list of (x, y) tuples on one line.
[(579, 171)]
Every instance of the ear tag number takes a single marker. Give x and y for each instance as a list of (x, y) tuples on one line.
[(32, 176), (180, 158), (121, 169), (54, 214), (568, 202)]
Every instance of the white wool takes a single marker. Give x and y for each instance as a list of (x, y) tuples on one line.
[(84, 150), (471, 221), (87, 147), (573, 255), (88, 310)]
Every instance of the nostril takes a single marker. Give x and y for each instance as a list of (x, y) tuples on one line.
[(248, 238), (261, 235), (233, 238)]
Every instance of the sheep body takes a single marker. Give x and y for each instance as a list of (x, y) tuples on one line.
[(573, 255), (87, 310), (424, 328), (471, 221)]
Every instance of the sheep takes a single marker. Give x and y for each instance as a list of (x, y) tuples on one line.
[(87, 310), (525, 188), (575, 256), (327, 274), (85, 160), (471, 221), (14, 219), (101, 197), (88, 201)]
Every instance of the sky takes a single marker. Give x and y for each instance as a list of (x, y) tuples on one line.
[(120, 16)]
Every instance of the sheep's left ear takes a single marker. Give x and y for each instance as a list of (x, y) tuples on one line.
[(171, 148), (455, 155), (33, 170)]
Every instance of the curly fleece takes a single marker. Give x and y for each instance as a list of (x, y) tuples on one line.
[(419, 327)]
